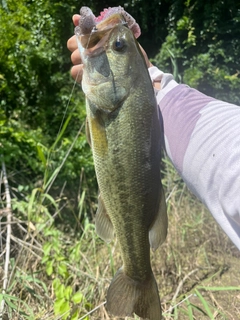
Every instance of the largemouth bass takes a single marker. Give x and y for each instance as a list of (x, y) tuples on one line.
[(125, 131)]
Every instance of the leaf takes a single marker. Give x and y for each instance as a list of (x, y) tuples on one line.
[(219, 288), (35, 280), (205, 304), (51, 199), (60, 292), (41, 155), (190, 311), (47, 248), (65, 309), (75, 315), (57, 305), (77, 297), (62, 307), (68, 292), (62, 270), (31, 201), (10, 304), (55, 173), (60, 134), (56, 284), (49, 267), (60, 258)]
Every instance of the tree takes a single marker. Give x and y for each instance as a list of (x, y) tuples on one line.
[(35, 86), (203, 46)]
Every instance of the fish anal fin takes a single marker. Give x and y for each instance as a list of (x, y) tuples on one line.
[(126, 296), (158, 230), (104, 226)]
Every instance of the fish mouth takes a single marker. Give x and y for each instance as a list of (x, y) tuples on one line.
[(94, 44), (92, 37), (92, 31), (107, 19)]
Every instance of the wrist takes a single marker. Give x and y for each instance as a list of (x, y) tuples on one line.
[(157, 84)]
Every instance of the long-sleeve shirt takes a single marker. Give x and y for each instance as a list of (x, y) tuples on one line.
[(202, 139)]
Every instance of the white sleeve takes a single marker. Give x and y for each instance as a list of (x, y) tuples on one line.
[(202, 139), (167, 82)]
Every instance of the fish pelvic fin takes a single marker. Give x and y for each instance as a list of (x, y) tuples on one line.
[(158, 230), (127, 296), (103, 223)]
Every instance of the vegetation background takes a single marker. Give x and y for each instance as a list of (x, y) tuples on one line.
[(52, 264)]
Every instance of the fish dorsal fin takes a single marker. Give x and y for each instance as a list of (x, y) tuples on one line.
[(158, 230), (104, 226)]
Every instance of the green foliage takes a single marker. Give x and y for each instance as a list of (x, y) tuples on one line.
[(59, 258), (66, 275), (16, 304), (58, 267), (56, 259), (39, 119), (18, 145), (66, 301), (203, 37)]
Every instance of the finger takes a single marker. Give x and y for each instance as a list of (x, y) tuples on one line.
[(76, 72), (75, 57), (75, 19), (72, 44), (149, 64)]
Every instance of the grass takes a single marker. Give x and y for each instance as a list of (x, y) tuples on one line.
[(60, 269), (54, 274)]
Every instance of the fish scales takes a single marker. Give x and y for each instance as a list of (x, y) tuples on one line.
[(125, 134), (129, 178)]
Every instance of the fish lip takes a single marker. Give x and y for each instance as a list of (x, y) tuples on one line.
[(91, 52), (95, 50)]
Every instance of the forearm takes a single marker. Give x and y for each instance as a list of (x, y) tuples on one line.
[(202, 139)]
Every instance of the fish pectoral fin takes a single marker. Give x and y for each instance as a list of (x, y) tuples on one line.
[(158, 231), (127, 296), (87, 130), (103, 223)]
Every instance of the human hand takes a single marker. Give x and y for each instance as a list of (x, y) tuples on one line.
[(77, 69)]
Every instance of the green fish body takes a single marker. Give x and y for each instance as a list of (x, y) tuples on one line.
[(125, 135)]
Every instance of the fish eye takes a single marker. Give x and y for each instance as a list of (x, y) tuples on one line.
[(119, 44)]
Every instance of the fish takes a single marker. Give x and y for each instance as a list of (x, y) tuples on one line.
[(124, 129)]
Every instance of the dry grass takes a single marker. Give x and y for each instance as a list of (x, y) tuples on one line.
[(197, 268)]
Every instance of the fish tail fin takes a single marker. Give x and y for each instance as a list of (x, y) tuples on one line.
[(127, 296)]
